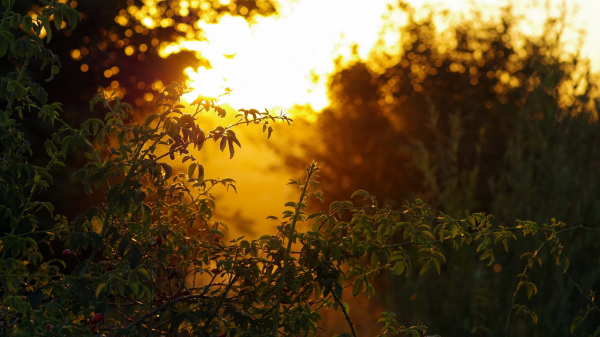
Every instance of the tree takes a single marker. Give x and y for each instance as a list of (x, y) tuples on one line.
[(149, 257), (479, 117)]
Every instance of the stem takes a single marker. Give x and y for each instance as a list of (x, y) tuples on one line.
[(580, 290), (162, 307), (289, 249), (512, 302), (44, 231), (21, 72), (86, 141), (12, 231), (8, 9), (92, 256), (206, 325), (345, 314)]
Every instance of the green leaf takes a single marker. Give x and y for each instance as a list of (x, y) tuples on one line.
[(218, 232), (191, 170), (123, 246), (357, 287), (99, 289), (27, 23), (149, 119), (531, 289), (575, 323), (200, 173), (135, 257), (72, 16), (144, 273), (399, 268), (437, 264), (360, 192), (231, 149), (14, 20), (55, 69), (223, 144), (486, 254), (35, 298), (374, 260), (58, 19), (47, 27)]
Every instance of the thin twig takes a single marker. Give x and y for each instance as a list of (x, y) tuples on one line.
[(345, 313)]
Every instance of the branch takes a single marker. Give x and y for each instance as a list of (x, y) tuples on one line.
[(345, 313), (289, 249), (164, 306), (580, 290), (512, 302), (219, 305)]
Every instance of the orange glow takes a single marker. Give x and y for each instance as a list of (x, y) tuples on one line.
[(76, 54), (129, 50)]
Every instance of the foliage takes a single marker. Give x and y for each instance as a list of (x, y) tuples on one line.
[(150, 257), (479, 116)]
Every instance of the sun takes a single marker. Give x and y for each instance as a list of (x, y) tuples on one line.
[(277, 61)]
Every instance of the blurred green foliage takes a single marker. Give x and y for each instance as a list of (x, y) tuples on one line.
[(481, 117)]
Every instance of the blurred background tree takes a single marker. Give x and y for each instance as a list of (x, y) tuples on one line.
[(479, 116)]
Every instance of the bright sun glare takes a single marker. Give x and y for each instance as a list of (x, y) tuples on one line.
[(277, 61)]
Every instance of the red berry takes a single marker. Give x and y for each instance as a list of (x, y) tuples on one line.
[(185, 292), (216, 271), (66, 252), (48, 327), (159, 240), (223, 335), (96, 319), (311, 302), (285, 290), (156, 318), (109, 268)]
